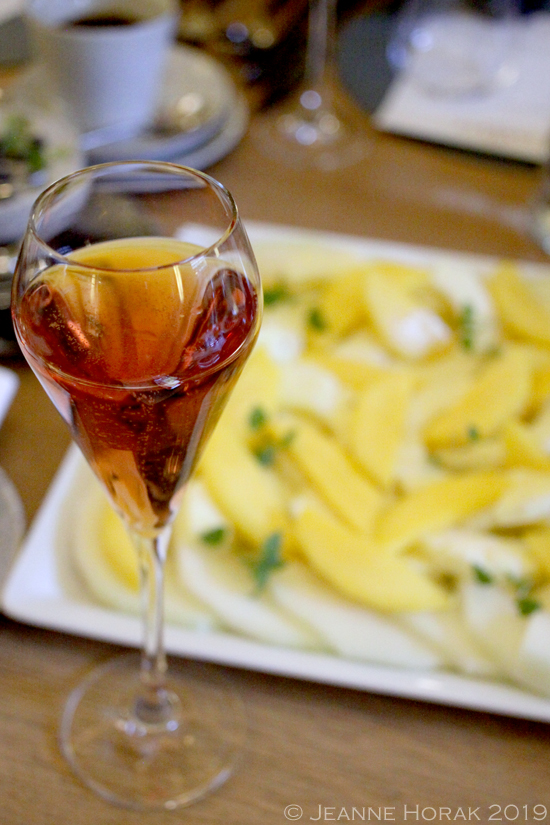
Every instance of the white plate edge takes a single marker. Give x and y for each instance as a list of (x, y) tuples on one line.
[(136, 145), (9, 384)]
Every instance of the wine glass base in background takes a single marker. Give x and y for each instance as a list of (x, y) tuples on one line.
[(318, 138), (163, 766)]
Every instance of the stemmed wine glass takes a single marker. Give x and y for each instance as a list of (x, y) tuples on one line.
[(309, 131), (136, 301)]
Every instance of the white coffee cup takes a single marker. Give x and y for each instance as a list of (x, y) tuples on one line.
[(105, 58)]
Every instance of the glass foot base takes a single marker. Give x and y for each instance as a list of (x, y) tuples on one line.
[(321, 140), (147, 766)]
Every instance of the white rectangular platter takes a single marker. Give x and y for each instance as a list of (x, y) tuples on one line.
[(43, 591)]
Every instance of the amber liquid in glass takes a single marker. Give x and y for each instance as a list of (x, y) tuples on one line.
[(139, 363)]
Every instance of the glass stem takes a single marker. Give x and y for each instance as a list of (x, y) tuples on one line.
[(320, 46), (153, 706)]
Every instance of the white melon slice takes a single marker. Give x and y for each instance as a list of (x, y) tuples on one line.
[(457, 552), (493, 618), (445, 630), (102, 581), (533, 665), (300, 264), (465, 290), (200, 520), (222, 580), (350, 630), (413, 467), (283, 334), (362, 347), (525, 501), (309, 387)]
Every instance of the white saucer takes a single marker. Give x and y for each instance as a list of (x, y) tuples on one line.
[(221, 144), (189, 72), (63, 156), (9, 383), (202, 157)]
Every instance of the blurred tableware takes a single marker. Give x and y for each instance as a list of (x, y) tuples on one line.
[(9, 383), (37, 146), (8, 344), (222, 143), (309, 131), (262, 40), (195, 101), (106, 59), (512, 122), (12, 515), (455, 47), (219, 145)]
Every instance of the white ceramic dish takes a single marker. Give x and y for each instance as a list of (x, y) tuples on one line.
[(193, 75), (43, 590), (9, 382), (63, 157), (12, 516), (223, 143), (215, 149)]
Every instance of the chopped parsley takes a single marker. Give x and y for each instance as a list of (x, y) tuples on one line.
[(266, 454), (266, 451), (276, 294), (473, 433), (527, 605), (525, 602), (481, 575), (214, 537), (257, 418), (466, 326), (315, 320), (269, 560)]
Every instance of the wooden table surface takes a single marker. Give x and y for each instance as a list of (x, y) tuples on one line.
[(331, 753)]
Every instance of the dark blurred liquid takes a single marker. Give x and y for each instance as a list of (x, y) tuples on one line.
[(101, 21)]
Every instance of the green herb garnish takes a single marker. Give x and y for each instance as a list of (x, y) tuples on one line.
[(257, 418), (473, 433), (528, 605), (276, 294), (268, 561), (315, 320), (522, 586), (266, 451), (17, 143), (481, 575), (286, 440), (214, 537), (466, 326), (266, 454)]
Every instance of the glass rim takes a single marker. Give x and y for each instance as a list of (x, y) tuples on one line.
[(166, 166)]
